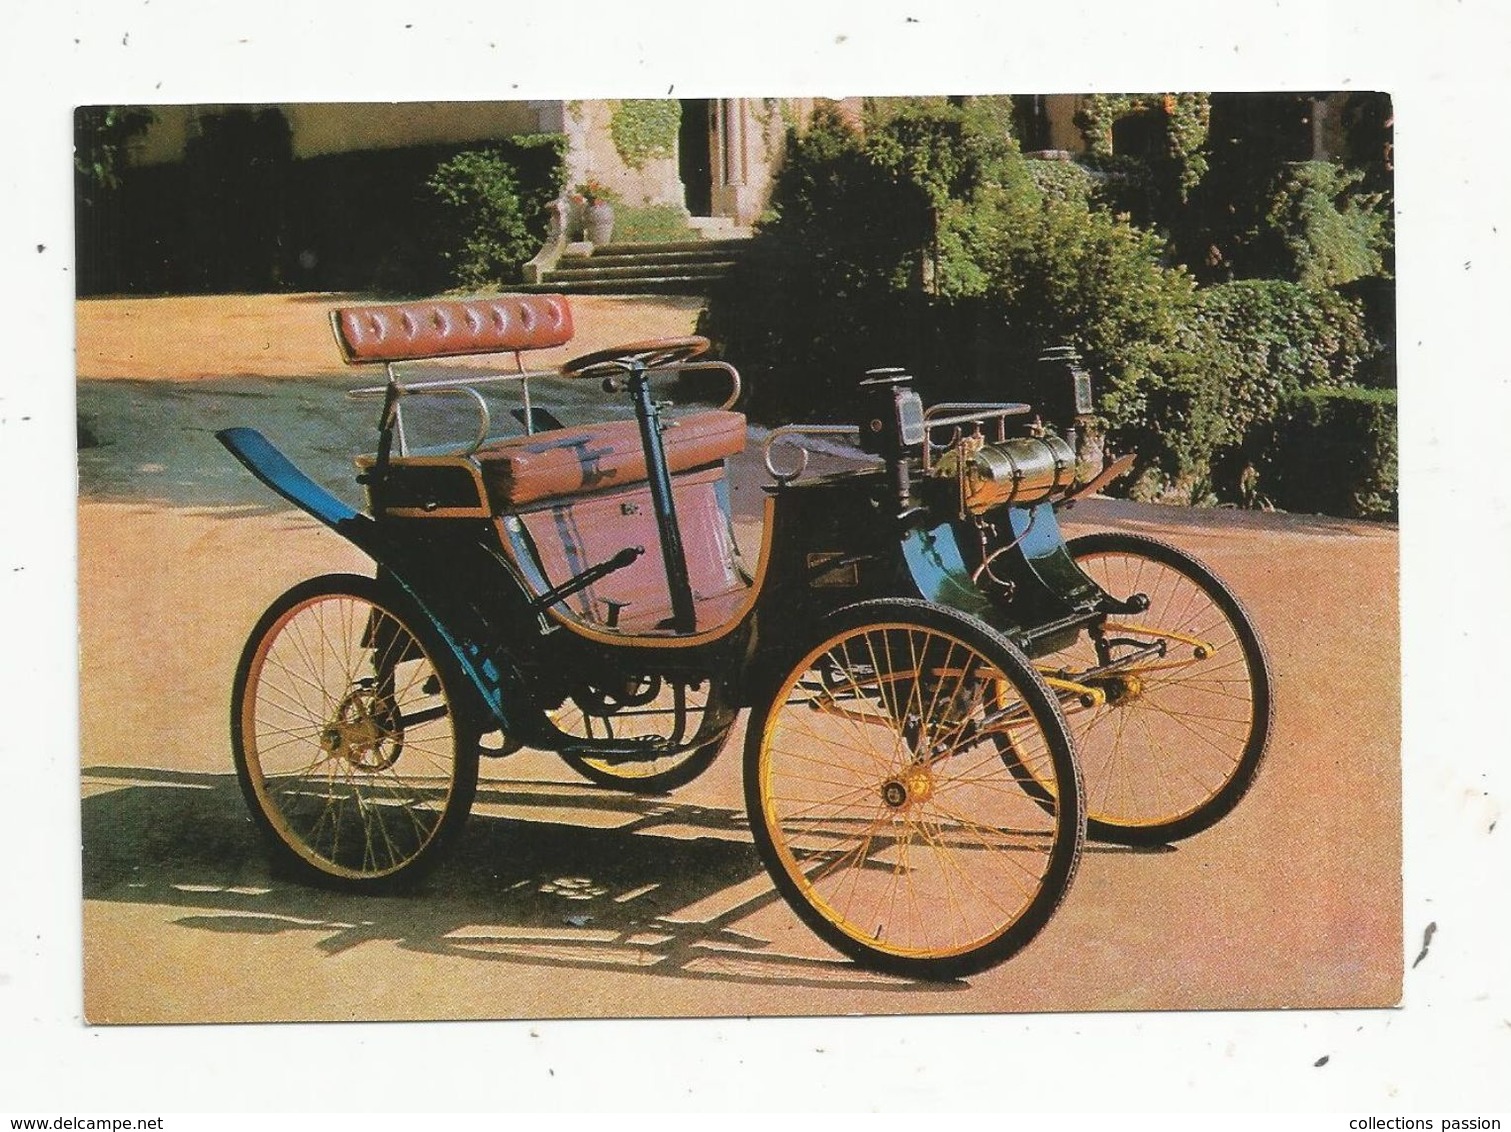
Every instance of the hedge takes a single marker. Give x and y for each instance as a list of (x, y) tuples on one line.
[(1335, 451), (253, 218)]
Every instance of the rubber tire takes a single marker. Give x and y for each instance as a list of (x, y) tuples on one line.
[(1222, 801), (299, 860), (1069, 835)]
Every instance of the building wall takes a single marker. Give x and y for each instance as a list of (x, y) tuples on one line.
[(746, 143), (1063, 131), (319, 128), (591, 156)]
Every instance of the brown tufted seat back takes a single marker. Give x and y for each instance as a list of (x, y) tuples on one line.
[(396, 332)]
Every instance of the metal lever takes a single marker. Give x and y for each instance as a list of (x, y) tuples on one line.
[(581, 581)]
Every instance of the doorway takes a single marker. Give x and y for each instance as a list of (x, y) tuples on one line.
[(694, 156)]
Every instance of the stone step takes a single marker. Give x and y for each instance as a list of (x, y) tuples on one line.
[(731, 246), (680, 267), (592, 270), (643, 285), (649, 257), (719, 227)]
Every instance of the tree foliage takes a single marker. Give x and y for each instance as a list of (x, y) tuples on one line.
[(929, 241), (494, 223), (1328, 232), (101, 137)]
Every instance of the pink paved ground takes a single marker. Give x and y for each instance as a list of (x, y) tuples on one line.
[(1294, 900)]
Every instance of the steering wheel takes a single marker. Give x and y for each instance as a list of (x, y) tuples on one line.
[(653, 353)]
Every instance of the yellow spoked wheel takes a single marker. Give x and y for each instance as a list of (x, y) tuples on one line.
[(688, 719), (881, 804), (1185, 711), (348, 747)]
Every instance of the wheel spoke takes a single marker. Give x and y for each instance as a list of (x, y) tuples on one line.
[(360, 790), (919, 825), (1186, 733)]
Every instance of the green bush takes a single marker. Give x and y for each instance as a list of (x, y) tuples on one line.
[(494, 223), (1335, 451), (1065, 181), (927, 244), (931, 243), (1265, 340), (488, 218), (1080, 275), (814, 301), (1329, 232), (1257, 344), (102, 135)]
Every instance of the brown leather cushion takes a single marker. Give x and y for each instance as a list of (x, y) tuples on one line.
[(570, 460), (404, 331)]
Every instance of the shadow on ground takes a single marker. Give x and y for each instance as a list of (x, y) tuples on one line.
[(651, 885), (590, 879)]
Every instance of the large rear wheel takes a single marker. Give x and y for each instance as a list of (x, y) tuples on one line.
[(881, 804), (348, 743)]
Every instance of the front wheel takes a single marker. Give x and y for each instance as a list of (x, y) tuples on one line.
[(880, 802), (348, 744), (1186, 718)]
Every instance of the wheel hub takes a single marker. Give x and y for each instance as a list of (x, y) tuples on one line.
[(1120, 688), (1124, 688), (359, 731), (912, 787)]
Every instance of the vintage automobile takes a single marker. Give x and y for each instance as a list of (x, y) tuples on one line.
[(921, 653)]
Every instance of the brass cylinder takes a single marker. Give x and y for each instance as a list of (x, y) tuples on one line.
[(1023, 471)]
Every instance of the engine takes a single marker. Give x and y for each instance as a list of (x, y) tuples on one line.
[(1021, 470)]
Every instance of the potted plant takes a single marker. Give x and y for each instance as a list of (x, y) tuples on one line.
[(598, 216)]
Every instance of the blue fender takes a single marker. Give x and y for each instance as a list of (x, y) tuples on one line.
[(939, 572), (279, 473), (1050, 587)]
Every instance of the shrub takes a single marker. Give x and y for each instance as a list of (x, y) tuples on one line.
[(1334, 450), (1257, 345), (928, 245), (496, 223), (102, 136), (1064, 181), (1265, 340), (488, 223), (1328, 233), (813, 302)]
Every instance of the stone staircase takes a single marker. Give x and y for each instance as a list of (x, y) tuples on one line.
[(684, 268)]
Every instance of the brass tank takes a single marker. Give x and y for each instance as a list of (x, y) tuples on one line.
[(1022, 470)]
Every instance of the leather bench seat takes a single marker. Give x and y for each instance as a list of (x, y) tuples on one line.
[(569, 461)]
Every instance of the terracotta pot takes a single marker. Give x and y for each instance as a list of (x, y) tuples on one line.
[(598, 219)]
